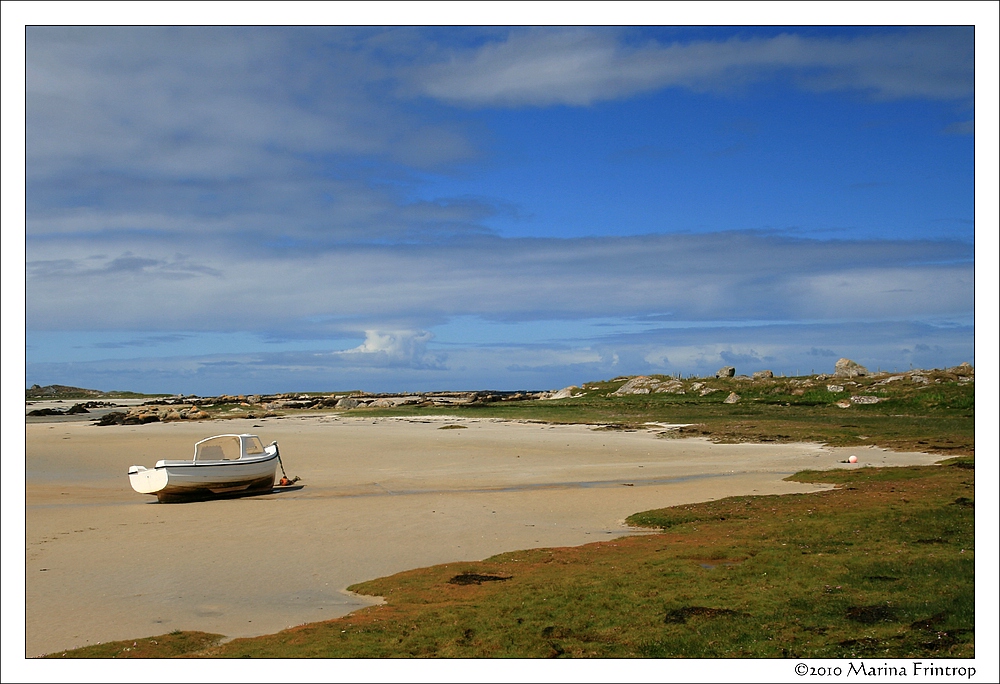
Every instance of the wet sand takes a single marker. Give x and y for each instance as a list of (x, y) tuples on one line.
[(380, 496)]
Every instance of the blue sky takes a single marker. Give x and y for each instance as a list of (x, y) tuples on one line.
[(214, 209)]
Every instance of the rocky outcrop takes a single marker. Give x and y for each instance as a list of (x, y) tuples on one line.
[(45, 412), (763, 375), (671, 387), (75, 409), (393, 402), (964, 368), (565, 393), (643, 384), (141, 415), (845, 368), (726, 372)]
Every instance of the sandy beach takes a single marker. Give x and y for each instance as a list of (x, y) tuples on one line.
[(381, 495)]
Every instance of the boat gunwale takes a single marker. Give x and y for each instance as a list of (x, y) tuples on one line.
[(238, 461)]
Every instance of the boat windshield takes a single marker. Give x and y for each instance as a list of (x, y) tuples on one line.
[(252, 446), (223, 448)]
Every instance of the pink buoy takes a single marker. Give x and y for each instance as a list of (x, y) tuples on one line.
[(853, 459)]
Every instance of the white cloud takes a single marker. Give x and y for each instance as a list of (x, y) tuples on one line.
[(541, 67), (213, 103), (394, 348)]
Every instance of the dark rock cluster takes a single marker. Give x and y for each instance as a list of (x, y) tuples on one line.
[(263, 406), (73, 410)]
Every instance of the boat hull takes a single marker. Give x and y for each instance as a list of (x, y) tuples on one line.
[(187, 481)]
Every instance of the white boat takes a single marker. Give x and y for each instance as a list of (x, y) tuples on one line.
[(224, 465)]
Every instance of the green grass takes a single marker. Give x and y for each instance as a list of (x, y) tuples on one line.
[(938, 417), (881, 566)]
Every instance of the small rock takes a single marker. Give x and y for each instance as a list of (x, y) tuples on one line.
[(761, 375), (732, 398), (834, 388), (643, 384), (843, 403), (861, 399)]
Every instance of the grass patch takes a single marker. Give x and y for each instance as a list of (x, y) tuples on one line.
[(937, 416), (835, 574), (170, 645), (931, 411)]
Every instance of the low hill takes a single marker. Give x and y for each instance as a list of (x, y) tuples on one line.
[(37, 393), (60, 392)]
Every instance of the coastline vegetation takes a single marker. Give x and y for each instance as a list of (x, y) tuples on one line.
[(881, 566), (931, 411), (936, 416)]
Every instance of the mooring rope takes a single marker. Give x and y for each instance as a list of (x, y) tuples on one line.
[(284, 476)]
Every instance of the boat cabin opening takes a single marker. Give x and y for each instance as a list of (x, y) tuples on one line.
[(227, 448)]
